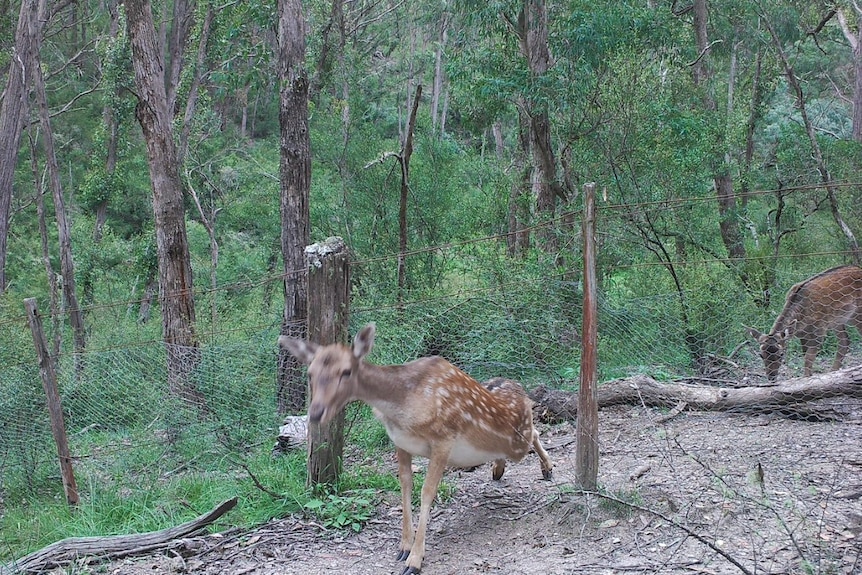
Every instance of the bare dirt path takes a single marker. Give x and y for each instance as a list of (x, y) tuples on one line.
[(699, 473)]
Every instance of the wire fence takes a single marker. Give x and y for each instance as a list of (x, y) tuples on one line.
[(494, 318)]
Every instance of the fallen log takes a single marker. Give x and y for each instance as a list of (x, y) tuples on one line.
[(559, 405), (68, 550)]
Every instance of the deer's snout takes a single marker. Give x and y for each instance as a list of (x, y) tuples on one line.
[(315, 412)]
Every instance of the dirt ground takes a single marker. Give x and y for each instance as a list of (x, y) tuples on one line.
[(693, 477)]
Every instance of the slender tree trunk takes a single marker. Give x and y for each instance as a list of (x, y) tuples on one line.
[(499, 145), (324, 61), (194, 89), (532, 32), (722, 180), (855, 40), (820, 162), (112, 128), (67, 264), (753, 117), (13, 109), (295, 170), (155, 116), (406, 153), (436, 93), (209, 222), (182, 24), (46, 251), (518, 236)]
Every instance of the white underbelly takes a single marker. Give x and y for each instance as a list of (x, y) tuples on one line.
[(463, 453)]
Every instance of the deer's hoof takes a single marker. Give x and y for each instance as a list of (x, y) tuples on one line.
[(403, 554), (411, 571), (547, 474)]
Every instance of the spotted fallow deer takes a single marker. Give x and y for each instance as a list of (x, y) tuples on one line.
[(429, 408), (830, 300)]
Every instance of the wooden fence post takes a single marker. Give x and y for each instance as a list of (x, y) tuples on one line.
[(587, 451), (328, 316), (55, 409)]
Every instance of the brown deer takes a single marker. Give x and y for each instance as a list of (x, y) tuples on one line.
[(429, 408), (830, 300)]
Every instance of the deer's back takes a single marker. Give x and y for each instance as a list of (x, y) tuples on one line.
[(442, 405), (824, 301)]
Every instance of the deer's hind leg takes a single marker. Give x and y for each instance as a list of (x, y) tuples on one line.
[(405, 478), (498, 469), (544, 459)]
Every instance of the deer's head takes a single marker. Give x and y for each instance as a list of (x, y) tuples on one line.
[(333, 371), (772, 348)]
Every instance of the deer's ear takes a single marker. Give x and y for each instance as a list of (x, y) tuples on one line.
[(302, 350), (364, 341), (753, 333), (788, 331)]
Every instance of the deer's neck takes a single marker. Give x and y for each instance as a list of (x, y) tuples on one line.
[(383, 386), (788, 314)]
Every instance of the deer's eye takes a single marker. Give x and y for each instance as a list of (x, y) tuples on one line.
[(345, 373)]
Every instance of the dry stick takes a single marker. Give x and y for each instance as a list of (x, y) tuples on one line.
[(676, 524), (68, 550), (260, 485), (709, 470)]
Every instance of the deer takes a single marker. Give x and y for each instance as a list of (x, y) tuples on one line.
[(828, 301), (430, 408)]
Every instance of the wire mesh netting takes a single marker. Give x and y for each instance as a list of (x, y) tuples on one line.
[(128, 432)]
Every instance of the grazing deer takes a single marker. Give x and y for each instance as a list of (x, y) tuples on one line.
[(429, 408), (830, 300)]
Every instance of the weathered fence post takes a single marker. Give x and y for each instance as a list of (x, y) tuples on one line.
[(55, 409), (328, 315), (587, 452)]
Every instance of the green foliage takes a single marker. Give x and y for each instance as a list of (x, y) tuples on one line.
[(345, 511), (625, 111), (620, 502)]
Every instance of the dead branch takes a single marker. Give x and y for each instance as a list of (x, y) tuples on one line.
[(68, 550), (676, 524), (559, 405)]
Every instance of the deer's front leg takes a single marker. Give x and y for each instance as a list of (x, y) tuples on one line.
[(810, 345), (405, 478), (436, 467), (843, 346)]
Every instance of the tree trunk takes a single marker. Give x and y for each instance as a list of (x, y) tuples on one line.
[(404, 160), (518, 236), (12, 112), (67, 265), (295, 170), (54, 306), (436, 120), (702, 75), (325, 59), (819, 160), (532, 30), (112, 128), (155, 116), (182, 24), (855, 40), (328, 321), (194, 88)]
